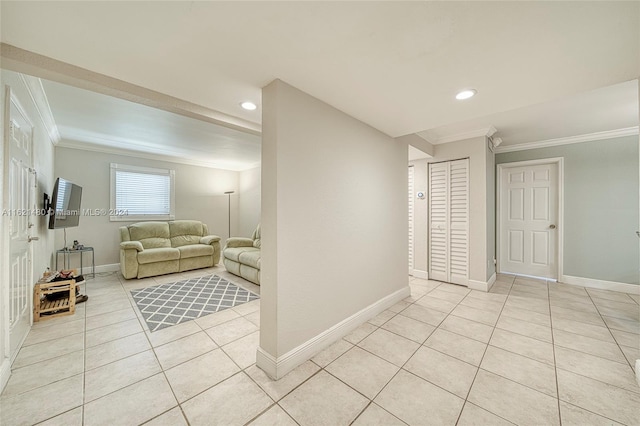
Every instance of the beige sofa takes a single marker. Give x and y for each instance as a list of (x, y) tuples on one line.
[(241, 256), (157, 248)]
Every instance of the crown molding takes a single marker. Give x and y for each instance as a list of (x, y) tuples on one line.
[(39, 97), (483, 132), (609, 134), (87, 146)]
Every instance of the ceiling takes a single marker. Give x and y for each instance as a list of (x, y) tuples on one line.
[(94, 121), (393, 65), (600, 110)]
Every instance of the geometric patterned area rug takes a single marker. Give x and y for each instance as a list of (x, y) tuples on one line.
[(170, 304)]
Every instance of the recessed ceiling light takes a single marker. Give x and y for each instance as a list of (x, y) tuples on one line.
[(249, 106), (466, 94)]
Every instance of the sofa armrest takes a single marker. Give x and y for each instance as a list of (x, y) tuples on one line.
[(209, 239), (239, 242), (136, 245)]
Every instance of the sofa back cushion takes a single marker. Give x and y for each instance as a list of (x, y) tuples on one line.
[(150, 234), (257, 241), (185, 232)]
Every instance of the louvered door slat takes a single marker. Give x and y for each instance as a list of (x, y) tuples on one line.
[(459, 222), (438, 213)]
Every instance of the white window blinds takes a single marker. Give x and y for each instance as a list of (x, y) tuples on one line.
[(141, 193)]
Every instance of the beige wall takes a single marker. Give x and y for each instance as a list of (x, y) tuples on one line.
[(601, 211), (334, 218), (43, 164), (199, 196), (420, 223), (249, 201)]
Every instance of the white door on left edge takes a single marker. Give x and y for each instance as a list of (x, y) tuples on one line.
[(528, 216), (20, 191)]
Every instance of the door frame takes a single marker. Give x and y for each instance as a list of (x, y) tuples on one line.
[(411, 177), (501, 168)]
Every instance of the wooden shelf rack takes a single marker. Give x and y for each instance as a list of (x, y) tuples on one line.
[(63, 306)]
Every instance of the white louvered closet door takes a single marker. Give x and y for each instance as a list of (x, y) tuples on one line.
[(438, 214), (449, 221), (411, 191)]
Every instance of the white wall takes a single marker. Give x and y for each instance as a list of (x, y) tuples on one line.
[(249, 201), (199, 196), (334, 225), (43, 164)]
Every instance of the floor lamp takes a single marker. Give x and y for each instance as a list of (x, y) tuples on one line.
[(229, 209)]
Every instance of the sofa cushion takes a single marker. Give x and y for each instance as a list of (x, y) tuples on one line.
[(195, 250), (185, 232), (257, 239), (234, 253), (158, 255), (238, 242), (150, 234), (250, 258), (250, 274)]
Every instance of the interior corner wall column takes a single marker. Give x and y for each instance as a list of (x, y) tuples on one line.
[(479, 208), (334, 226), (417, 142)]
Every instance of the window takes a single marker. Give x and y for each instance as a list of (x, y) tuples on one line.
[(141, 193)]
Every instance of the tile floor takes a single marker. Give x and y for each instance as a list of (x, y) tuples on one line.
[(528, 353)]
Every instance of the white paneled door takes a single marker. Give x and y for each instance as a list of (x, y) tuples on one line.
[(449, 221), (528, 220), (20, 203)]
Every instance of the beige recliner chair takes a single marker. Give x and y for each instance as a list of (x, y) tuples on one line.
[(241, 256)]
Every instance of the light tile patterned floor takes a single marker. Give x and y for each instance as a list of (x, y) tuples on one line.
[(527, 353)]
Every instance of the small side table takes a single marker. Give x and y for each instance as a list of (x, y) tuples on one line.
[(66, 254), (63, 306)]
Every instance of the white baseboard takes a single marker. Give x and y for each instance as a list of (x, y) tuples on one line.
[(600, 284), (419, 274), (267, 363), (482, 285), (491, 282), (276, 368), (113, 267), (5, 373)]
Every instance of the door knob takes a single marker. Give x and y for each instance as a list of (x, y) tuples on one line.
[(552, 227), (32, 239)]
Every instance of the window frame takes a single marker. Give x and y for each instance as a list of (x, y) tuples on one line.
[(114, 215)]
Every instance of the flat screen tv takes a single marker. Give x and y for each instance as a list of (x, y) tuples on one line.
[(65, 205)]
